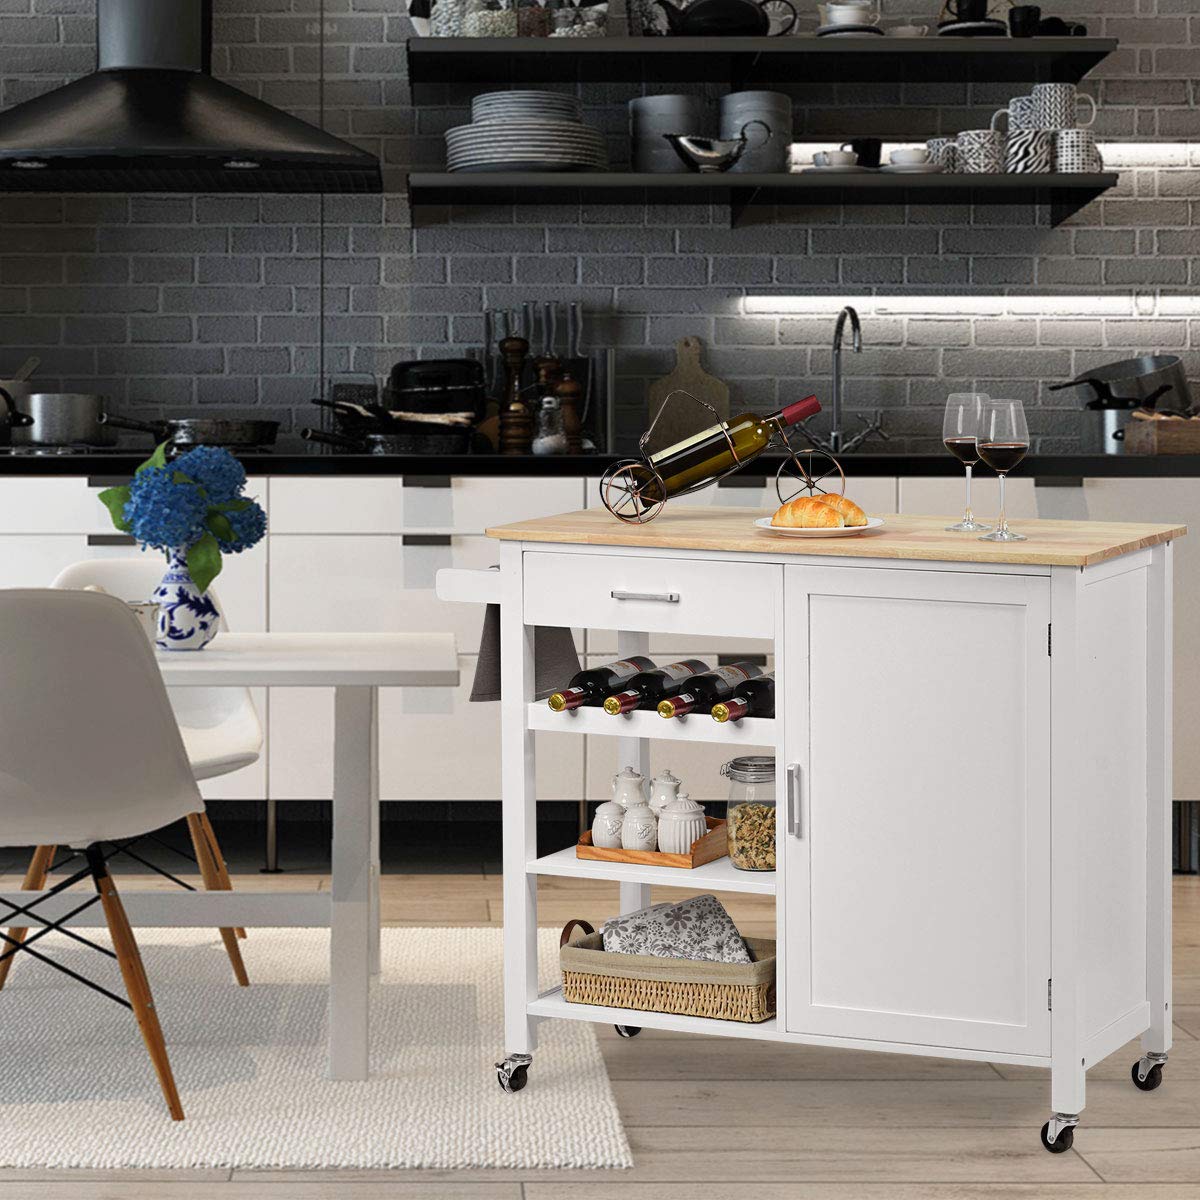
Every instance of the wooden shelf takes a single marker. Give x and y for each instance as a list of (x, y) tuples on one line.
[(1065, 194), (552, 1004), (718, 876), (433, 62), (697, 727)]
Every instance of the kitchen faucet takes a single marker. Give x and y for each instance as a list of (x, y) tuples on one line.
[(836, 442)]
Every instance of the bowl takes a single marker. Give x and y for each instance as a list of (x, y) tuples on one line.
[(910, 157), (707, 155)]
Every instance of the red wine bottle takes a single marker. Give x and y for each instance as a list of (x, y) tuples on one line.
[(589, 688), (755, 698), (703, 691), (646, 689)]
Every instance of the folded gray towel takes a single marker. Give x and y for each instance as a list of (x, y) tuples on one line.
[(698, 928), (555, 659)]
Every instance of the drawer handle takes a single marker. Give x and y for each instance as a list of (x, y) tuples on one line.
[(794, 807), (110, 539), (655, 597)]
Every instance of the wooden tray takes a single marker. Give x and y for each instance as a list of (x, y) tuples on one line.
[(709, 848), (1162, 435)]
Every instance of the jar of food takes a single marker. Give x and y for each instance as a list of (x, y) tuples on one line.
[(490, 18), (533, 19), (751, 812)]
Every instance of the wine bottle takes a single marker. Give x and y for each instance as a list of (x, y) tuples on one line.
[(647, 688), (703, 691), (755, 698), (590, 687), (714, 450)]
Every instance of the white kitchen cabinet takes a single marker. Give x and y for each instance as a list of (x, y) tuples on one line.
[(909, 825), (945, 495)]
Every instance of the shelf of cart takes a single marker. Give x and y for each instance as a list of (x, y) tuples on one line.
[(552, 1004), (717, 876), (696, 727)]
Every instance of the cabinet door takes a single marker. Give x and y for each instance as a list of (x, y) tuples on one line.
[(916, 890)]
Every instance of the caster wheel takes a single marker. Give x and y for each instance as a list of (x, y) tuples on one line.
[(514, 1081), (628, 1031), (1152, 1080), (1062, 1143)]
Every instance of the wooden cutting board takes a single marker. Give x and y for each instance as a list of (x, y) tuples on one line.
[(683, 417)]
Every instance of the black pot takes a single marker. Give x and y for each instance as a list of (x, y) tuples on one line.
[(1156, 381)]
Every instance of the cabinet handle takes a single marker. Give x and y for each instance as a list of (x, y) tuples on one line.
[(107, 481), (425, 481), (110, 539), (426, 539), (656, 597), (794, 807)]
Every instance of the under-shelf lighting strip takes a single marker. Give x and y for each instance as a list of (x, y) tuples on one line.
[(1140, 304)]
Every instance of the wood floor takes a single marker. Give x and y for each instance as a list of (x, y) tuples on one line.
[(715, 1119)]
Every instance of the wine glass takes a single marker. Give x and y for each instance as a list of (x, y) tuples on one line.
[(960, 434), (1003, 442)]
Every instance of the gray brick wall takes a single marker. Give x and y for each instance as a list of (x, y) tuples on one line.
[(170, 302)]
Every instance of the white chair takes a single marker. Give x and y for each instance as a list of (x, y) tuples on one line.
[(89, 753), (220, 729)]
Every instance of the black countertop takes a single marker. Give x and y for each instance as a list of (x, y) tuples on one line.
[(119, 465)]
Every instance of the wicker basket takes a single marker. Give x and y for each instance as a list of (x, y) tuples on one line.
[(723, 991)]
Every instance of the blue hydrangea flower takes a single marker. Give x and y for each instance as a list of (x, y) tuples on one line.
[(249, 527), (215, 470), (163, 513)]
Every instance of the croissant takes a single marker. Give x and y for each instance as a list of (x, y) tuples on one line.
[(849, 510), (807, 512)]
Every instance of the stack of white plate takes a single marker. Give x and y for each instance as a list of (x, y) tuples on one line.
[(525, 131), (508, 106)]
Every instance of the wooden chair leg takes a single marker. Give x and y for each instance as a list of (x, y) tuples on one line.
[(137, 986), (218, 858), (212, 883), (35, 880)]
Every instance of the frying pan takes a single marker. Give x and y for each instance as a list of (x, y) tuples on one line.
[(1150, 381), (362, 443), (203, 431)]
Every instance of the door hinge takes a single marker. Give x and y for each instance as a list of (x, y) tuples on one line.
[(1049, 995), (1050, 640)]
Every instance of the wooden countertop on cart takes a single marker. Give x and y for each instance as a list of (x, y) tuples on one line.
[(731, 530)]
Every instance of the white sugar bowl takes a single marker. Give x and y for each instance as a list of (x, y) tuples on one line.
[(628, 788), (606, 825), (639, 829), (681, 824), (663, 790)]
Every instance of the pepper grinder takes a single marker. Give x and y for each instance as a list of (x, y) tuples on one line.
[(570, 396), (516, 421)]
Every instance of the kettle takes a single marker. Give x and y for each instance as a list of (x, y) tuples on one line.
[(724, 18), (10, 418), (628, 788)]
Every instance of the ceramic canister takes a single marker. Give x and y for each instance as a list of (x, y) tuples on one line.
[(680, 825), (639, 828), (606, 825)]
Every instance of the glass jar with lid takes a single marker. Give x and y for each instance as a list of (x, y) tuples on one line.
[(490, 18), (751, 812)]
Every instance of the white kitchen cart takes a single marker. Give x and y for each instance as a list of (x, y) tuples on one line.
[(974, 783)]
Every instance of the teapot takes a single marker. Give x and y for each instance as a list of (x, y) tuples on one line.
[(10, 418), (628, 787), (663, 790), (724, 18)]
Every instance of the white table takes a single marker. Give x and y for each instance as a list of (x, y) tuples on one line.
[(355, 666)]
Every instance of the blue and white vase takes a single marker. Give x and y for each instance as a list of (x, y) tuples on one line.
[(187, 618)]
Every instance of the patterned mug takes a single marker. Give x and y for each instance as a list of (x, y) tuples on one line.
[(1058, 106), (1021, 113), (1076, 152), (1029, 152), (980, 152), (944, 152)]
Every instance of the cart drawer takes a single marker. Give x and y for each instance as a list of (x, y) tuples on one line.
[(668, 595)]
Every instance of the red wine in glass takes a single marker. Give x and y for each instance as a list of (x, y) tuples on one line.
[(1002, 457), (965, 449)]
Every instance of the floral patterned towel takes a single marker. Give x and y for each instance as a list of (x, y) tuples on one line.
[(698, 928)]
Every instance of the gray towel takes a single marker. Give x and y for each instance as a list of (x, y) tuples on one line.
[(555, 659)]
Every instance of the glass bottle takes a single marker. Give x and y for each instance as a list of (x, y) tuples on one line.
[(593, 686), (703, 691), (647, 688)]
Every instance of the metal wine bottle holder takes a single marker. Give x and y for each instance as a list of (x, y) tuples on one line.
[(633, 490)]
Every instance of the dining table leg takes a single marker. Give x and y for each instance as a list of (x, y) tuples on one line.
[(355, 809)]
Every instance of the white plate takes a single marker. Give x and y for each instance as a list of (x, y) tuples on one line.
[(914, 169), (851, 30), (846, 531), (851, 169)]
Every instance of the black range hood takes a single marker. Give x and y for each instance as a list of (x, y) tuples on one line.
[(153, 119)]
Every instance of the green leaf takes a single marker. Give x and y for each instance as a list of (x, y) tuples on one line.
[(219, 525), (204, 561), (157, 459), (115, 499), (231, 506)]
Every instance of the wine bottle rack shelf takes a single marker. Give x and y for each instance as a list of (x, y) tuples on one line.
[(696, 727)]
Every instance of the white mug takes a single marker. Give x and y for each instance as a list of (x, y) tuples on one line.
[(850, 12), (1058, 106), (835, 158)]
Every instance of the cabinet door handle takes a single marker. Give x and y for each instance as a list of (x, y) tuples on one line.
[(656, 597), (794, 806), (110, 539)]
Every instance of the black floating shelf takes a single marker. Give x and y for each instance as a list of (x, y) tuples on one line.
[(434, 62), (1065, 194)]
